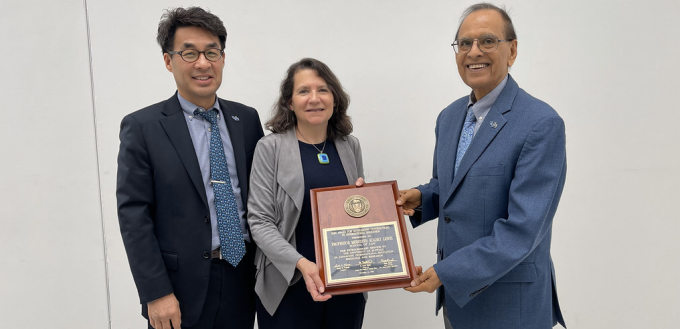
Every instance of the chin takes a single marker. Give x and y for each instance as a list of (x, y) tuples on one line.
[(478, 84), (317, 122), (477, 80)]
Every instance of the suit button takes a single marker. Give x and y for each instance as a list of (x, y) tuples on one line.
[(447, 219), (206, 219), (206, 255)]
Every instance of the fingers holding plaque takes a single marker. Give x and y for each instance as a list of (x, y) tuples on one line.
[(361, 239)]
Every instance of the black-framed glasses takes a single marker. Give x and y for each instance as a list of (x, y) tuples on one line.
[(191, 55), (485, 45)]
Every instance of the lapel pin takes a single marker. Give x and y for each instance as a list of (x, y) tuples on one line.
[(235, 118), (493, 124)]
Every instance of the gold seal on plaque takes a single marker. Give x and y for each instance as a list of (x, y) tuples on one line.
[(357, 206)]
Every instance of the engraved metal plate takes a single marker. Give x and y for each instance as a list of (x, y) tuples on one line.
[(357, 206), (363, 252)]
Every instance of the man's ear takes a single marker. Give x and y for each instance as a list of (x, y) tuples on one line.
[(168, 61), (513, 52)]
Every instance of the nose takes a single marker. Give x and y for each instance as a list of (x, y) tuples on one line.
[(475, 51), (314, 96), (202, 62)]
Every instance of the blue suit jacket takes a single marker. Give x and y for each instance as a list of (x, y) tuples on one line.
[(495, 215)]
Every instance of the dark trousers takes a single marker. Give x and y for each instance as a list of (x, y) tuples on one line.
[(299, 310), (230, 302)]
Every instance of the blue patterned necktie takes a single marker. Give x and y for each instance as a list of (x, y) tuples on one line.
[(228, 221), (465, 137)]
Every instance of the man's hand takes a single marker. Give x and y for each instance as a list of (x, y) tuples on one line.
[(359, 182), (428, 281), (310, 273), (164, 313), (409, 200)]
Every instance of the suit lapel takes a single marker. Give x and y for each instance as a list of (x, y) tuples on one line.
[(347, 159), (289, 169), (491, 126), (235, 129), (447, 145), (175, 126)]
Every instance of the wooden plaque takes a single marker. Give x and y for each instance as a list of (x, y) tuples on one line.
[(360, 238)]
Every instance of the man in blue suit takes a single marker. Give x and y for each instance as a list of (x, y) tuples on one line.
[(499, 170)]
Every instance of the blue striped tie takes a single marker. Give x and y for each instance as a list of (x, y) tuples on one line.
[(465, 137), (228, 220)]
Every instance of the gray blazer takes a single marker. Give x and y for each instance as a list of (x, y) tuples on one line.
[(274, 204)]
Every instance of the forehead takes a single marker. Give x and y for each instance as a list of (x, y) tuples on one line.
[(306, 76), (485, 21), (194, 36)]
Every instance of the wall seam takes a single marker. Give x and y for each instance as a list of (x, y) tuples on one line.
[(99, 178)]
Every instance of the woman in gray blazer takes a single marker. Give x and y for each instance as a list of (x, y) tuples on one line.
[(311, 147)]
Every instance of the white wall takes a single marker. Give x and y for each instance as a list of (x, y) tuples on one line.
[(52, 258), (610, 68)]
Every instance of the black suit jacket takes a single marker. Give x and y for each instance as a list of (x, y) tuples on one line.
[(162, 206)]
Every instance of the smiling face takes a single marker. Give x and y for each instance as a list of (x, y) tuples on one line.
[(484, 71), (312, 100), (198, 81)]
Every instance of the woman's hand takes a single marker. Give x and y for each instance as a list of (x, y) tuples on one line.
[(310, 273)]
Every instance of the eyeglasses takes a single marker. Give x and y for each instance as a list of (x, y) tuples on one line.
[(485, 45), (191, 55)]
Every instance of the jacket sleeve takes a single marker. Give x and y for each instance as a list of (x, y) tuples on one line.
[(135, 198), (534, 194), (264, 217)]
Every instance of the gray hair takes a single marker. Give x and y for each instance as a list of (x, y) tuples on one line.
[(509, 27)]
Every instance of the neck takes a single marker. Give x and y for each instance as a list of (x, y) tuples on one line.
[(315, 134), (480, 94), (204, 102)]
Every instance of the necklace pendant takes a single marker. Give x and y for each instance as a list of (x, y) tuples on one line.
[(323, 158)]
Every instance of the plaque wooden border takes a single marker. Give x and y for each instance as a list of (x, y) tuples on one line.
[(380, 212)]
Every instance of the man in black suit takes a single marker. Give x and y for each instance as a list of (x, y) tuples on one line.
[(171, 202)]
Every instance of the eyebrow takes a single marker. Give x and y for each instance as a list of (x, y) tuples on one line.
[(191, 45), (485, 35), (309, 87)]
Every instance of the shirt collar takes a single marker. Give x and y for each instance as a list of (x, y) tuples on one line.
[(483, 105), (189, 107)]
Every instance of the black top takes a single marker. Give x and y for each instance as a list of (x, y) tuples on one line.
[(316, 175)]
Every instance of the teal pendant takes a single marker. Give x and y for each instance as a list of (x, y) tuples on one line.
[(323, 158)]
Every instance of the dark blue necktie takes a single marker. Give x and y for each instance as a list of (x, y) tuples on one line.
[(228, 220), (465, 137)]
